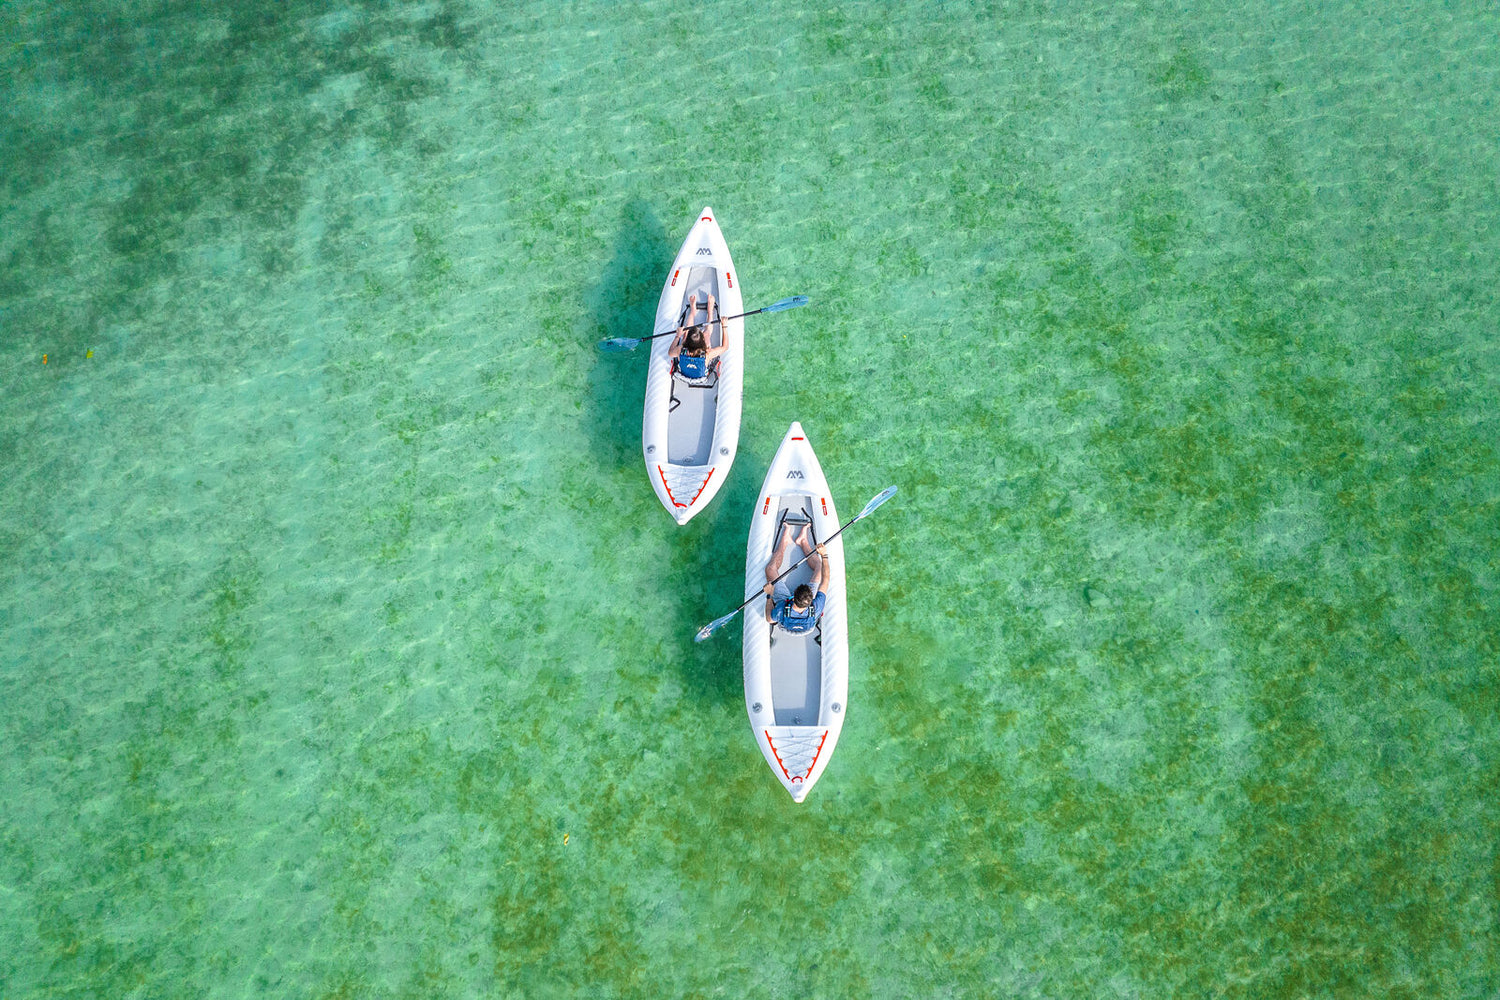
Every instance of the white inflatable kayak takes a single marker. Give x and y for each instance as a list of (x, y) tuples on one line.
[(692, 426), (795, 685)]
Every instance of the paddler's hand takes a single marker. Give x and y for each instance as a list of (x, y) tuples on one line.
[(768, 589), (821, 550)]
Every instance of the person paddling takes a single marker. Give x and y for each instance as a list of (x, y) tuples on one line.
[(797, 611), (690, 351)]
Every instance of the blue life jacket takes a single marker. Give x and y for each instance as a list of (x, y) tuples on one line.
[(798, 622), (692, 366)]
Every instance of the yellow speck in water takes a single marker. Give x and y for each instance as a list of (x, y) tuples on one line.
[(44, 359), (565, 840), (90, 354)]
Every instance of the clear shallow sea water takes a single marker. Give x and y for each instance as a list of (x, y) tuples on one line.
[(346, 652)]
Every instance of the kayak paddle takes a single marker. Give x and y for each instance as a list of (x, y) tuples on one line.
[(718, 623), (631, 343)]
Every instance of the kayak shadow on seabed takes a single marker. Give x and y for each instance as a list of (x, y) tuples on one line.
[(714, 557), (707, 565), (623, 304)]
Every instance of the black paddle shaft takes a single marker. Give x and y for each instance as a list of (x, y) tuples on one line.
[(804, 559), (721, 320)]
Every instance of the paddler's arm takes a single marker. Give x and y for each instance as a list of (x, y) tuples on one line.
[(823, 573), (714, 352), (770, 590), (716, 315), (689, 314)]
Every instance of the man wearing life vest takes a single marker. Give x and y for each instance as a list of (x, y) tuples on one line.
[(798, 611)]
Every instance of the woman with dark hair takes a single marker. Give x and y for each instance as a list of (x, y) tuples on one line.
[(690, 351)]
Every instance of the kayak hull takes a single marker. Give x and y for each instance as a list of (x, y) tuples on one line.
[(796, 686), (691, 429)]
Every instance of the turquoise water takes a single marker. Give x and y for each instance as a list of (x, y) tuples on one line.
[(346, 652)]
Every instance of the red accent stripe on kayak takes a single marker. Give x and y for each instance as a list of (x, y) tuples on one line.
[(813, 763), (825, 504), (674, 277), (703, 487), (675, 503), (730, 276), (772, 744), (664, 486), (799, 439), (816, 754), (767, 505), (707, 218)]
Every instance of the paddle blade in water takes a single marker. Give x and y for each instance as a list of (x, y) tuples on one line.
[(714, 626), (876, 501), (785, 304), (619, 344)]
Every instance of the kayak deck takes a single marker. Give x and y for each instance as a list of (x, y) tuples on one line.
[(795, 685), (690, 428), (796, 660), (694, 408)]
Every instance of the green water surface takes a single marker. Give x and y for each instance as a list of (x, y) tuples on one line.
[(346, 652)]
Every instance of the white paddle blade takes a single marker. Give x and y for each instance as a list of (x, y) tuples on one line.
[(785, 304), (876, 501), (714, 626), (619, 344)]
